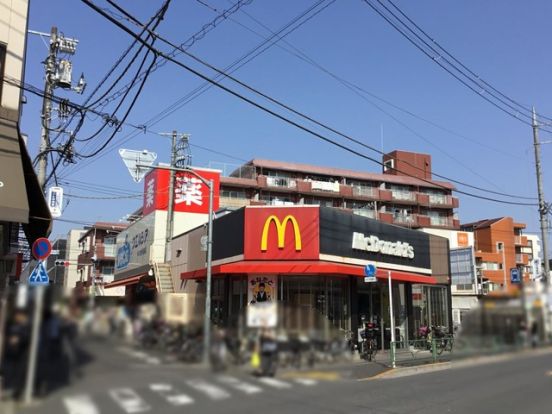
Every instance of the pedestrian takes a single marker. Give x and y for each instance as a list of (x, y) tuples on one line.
[(16, 353)]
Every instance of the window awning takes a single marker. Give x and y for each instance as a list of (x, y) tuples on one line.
[(303, 267), (126, 281), (21, 198), (14, 206)]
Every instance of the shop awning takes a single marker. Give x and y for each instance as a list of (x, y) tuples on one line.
[(14, 206), (21, 198), (303, 268), (126, 281)]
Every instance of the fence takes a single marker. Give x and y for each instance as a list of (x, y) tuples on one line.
[(431, 350)]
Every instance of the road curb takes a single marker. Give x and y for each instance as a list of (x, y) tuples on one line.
[(464, 363)]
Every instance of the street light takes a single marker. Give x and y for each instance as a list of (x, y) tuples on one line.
[(207, 321)]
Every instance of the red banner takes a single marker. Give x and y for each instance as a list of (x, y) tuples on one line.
[(191, 195)]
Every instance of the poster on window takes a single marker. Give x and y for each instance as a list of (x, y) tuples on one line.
[(262, 309)]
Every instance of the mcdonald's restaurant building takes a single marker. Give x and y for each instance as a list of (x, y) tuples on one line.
[(310, 261)]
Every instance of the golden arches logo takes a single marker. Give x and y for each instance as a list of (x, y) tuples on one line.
[(281, 232)]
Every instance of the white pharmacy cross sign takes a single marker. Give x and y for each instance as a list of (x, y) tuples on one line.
[(188, 190)]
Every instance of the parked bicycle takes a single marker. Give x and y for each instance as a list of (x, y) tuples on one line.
[(369, 344)]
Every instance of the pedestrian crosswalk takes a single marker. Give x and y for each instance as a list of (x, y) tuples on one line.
[(151, 397)]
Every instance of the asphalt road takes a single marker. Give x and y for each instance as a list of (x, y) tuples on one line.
[(120, 380)]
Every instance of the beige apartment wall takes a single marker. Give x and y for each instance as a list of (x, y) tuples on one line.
[(13, 30)]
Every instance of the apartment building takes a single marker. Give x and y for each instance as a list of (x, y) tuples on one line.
[(499, 247), (403, 194), (96, 262)]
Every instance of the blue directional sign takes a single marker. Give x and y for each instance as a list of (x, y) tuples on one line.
[(370, 273), (370, 269), (39, 276), (515, 277)]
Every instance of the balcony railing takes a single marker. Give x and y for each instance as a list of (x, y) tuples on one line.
[(365, 212), (403, 195), (440, 221), (281, 182), (404, 219), (233, 202), (365, 191), (440, 199), (325, 186)]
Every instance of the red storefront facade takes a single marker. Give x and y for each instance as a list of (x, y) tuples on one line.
[(313, 260)]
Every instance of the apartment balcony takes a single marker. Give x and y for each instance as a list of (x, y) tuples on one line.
[(233, 202), (424, 221), (385, 217), (521, 241), (522, 259), (441, 201), (442, 222), (409, 220), (365, 192), (385, 195), (281, 182), (325, 186), (404, 197), (366, 212)]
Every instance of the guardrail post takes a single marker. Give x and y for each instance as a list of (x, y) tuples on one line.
[(434, 349)]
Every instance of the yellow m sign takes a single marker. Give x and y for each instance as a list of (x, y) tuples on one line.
[(281, 232)]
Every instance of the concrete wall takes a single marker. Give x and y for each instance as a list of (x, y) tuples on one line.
[(13, 30)]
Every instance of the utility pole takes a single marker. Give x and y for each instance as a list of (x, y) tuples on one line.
[(543, 207), (170, 210), (178, 160), (50, 65), (58, 74)]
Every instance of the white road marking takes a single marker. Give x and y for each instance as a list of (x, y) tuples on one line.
[(171, 395), (129, 400), (153, 360), (212, 391), (306, 381), (239, 385), (273, 382), (80, 404)]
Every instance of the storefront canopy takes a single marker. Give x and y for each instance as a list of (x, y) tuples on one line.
[(313, 267), (21, 198)]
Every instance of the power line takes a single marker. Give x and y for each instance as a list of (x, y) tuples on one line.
[(187, 43), (298, 21), (359, 91), (458, 73), (333, 130), (275, 114)]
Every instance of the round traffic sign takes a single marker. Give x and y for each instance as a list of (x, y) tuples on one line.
[(42, 248), (370, 270)]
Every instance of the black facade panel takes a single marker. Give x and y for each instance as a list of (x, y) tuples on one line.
[(336, 238), (228, 232)]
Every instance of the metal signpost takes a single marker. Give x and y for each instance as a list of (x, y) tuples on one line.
[(41, 250)]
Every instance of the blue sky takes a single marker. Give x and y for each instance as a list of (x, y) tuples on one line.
[(505, 42)]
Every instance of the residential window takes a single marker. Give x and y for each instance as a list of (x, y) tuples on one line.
[(107, 270), (110, 245), (233, 193)]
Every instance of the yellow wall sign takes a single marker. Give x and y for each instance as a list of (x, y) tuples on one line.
[(281, 231)]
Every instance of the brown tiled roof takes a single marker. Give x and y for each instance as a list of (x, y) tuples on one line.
[(357, 175), (481, 223)]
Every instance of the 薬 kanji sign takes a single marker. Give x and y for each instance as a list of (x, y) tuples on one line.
[(191, 195)]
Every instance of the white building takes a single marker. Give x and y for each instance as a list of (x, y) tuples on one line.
[(465, 284), (72, 275), (534, 252)]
